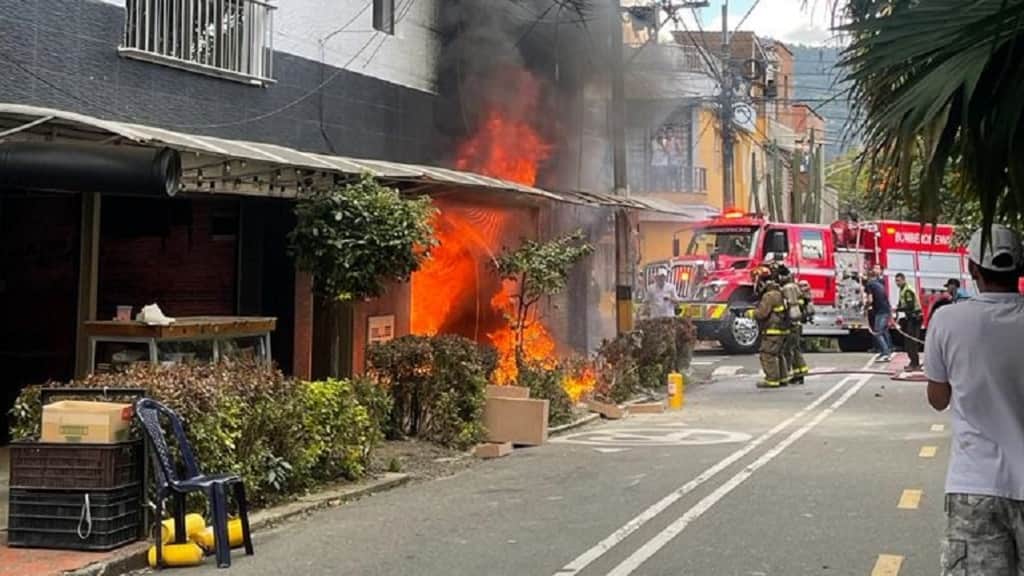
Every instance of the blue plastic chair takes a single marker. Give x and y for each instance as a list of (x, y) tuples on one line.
[(170, 483)]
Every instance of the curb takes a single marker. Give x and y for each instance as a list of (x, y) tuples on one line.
[(134, 556), (572, 425)]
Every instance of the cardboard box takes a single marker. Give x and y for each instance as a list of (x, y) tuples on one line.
[(508, 392), (73, 421), (521, 421), (493, 450), (609, 411), (647, 408)]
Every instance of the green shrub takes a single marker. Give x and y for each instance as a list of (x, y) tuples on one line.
[(546, 384), (437, 386), (282, 436), (642, 360)]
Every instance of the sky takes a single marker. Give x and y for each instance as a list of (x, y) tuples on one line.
[(791, 21)]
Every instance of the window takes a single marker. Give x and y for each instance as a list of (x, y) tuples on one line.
[(230, 39), (812, 247), (384, 16)]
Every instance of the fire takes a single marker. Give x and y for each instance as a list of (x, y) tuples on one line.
[(506, 145), (579, 384), (538, 345), (504, 148), (447, 289)]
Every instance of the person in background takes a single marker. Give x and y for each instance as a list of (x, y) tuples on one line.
[(881, 314), (661, 297), (974, 365), (952, 290), (911, 314)]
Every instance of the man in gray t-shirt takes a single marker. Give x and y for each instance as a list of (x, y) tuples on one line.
[(974, 365)]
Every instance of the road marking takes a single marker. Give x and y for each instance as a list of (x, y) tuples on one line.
[(928, 451), (660, 540), (887, 565), (910, 499), (610, 450), (723, 371), (602, 547), (938, 427), (645, 437), (703, 362)]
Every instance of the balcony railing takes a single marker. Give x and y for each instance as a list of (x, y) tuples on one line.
[(226, 38)]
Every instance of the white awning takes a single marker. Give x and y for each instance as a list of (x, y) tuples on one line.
[(222, 166)]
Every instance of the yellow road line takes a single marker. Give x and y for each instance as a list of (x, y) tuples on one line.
[(938, 427), (910, 499), (928, 451), (887, 565)]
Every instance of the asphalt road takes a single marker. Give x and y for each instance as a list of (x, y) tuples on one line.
[(745, 482)]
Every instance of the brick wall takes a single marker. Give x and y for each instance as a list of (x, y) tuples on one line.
[(169, 256)]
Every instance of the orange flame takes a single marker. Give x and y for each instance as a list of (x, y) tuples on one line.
[(580, 384), (538, 345), (506, 145)]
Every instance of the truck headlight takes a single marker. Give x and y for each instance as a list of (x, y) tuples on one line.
[(711, 289)]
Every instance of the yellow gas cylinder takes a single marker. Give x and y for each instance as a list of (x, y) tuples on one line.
[(206, 540), (187, 554), (194, 523), (676, 391)]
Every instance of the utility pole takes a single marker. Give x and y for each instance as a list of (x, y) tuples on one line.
[(726, 111), (623, 235)]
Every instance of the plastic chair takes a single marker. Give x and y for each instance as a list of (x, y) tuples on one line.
[(170, 483)]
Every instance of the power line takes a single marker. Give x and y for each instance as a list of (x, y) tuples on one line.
[(747, 15)]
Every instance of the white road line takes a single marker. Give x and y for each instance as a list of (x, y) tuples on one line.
[(660, 540), (602, 547), (724, 371)]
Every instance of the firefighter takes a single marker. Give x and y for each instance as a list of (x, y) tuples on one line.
[(910, 315), (796, 309), (771, 313)]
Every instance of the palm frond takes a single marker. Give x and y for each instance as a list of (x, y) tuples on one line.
[(939, 84)]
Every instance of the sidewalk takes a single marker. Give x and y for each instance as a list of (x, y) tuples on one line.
[(38, 562)]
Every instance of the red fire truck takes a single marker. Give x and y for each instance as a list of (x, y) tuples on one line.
[(712, 276)]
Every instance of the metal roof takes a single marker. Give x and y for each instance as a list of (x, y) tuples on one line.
[(209, 153)]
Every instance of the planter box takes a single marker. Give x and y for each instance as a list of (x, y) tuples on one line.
[(493, 450), (647, 408), (520, 421), (609, 411), (507, 392)]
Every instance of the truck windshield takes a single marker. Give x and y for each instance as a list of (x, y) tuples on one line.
[(732, 242)]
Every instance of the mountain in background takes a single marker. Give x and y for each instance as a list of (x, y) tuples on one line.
[(815, 78)]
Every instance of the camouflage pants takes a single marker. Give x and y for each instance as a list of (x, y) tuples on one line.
[(794, 355), (984, 536), (773, 359)]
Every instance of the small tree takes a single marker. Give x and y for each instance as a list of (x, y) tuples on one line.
[(357, 238), (538, 269)]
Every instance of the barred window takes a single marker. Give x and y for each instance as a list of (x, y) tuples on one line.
[(230, 39)]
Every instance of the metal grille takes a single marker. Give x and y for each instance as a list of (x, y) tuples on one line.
[(227, 38), (686, 277)]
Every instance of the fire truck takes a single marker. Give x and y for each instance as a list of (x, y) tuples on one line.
[(712, 275)]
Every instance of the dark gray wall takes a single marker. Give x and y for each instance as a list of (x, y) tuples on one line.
[(63, 54)]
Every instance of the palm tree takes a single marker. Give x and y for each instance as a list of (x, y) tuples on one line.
[(939, 84)]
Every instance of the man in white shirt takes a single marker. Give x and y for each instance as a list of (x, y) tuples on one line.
[(974, 364), (661, 297)]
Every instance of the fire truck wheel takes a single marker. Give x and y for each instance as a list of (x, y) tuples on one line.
[(739, 335)]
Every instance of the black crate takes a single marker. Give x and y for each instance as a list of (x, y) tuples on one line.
[(75, 466), (58, 519)]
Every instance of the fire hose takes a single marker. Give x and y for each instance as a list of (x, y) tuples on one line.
[(897, 328)]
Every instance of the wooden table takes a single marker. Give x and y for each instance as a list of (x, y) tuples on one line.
[(215, 329)]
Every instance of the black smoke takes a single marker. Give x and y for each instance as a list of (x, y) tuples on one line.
[(561, 44)]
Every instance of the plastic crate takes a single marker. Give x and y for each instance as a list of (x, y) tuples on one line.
[(58, 519), (75, 466)]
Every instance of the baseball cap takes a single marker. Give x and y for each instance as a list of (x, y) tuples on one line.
[(1003, 253), (952, 283)]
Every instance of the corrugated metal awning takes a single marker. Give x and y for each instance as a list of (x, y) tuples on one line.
[(224, 166)]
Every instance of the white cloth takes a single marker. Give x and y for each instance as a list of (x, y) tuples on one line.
[(661, 302), (975, 346)]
